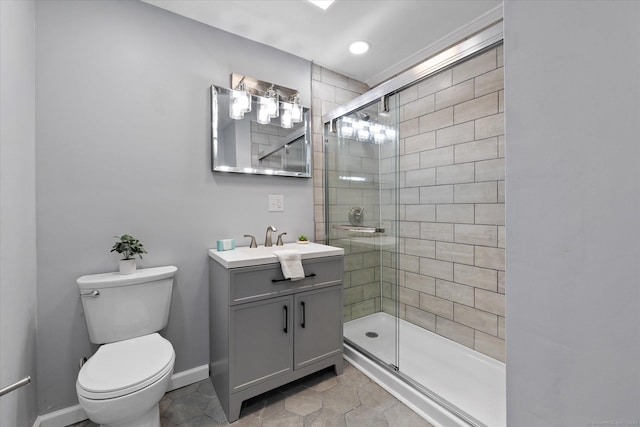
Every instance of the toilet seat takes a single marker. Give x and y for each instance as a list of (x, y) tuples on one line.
[(124, 367)]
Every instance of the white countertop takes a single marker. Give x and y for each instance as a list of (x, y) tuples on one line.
[(246, 256)]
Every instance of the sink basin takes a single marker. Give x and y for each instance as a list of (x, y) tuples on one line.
[(246, 256)]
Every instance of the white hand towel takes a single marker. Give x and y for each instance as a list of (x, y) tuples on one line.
[(291, 263)]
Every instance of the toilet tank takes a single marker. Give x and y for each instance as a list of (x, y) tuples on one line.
[(122, 306)]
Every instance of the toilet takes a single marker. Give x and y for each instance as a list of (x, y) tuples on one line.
[(122, 383)]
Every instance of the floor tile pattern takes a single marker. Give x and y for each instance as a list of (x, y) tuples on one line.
[(318, 400)]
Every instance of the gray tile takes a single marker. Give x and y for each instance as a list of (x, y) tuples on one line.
[(365, 416), (401, 416), (340, 398), (375, 397), (325, 418)]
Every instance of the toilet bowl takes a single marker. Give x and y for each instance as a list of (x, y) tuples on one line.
[(123, 382)]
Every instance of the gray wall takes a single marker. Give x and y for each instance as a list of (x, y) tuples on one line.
[(123, 146), (573, 236), (17, 211)]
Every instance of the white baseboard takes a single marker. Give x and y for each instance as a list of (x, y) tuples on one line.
[(74, 414)]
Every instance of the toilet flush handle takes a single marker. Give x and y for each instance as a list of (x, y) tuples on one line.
[(93, 294)]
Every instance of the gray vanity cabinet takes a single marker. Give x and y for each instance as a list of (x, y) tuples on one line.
[(266, 331)]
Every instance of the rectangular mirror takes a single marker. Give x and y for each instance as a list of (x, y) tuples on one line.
[(246, 146)]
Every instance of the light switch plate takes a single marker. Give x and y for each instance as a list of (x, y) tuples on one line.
[(276, 203)]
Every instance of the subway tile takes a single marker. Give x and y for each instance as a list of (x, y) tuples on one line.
[(352, 295), (454, 95), (455, 331), (420, 177), (435, 83), (500, 191), (483, 235), (323, 91), (409, 128), (501, 146), (436, 120), (410, 229), (457, 134), (454, 252), (455, 174), (482, 192), (490, 170), (370, 259), (419, 107), (489, 257), (363, 276), (421, 318), (371, 290), (501, 327), (476, 108), (435, 231), (438, 157), (410, 195), (490, 345), (454, 213), (408, 162), (332, 78), (436, 194), (362, 309), (476, 319), (500, 55), (437, 269), (343, 96), (502, 238), (410, 263), (489, 126), (438, 306), (476, 150), (492, 302), (420, 283), (492, 214), (353, 262), (493, 81), (474, 276), (420, 142), (408, 95), (475, 66), (409, 297), (358, 86), (420, 213), (501, 282), (501, 101), (455, 292)]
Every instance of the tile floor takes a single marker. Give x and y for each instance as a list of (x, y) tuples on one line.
[(318, 400)]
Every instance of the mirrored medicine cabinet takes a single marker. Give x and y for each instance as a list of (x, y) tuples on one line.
[(248, 147)]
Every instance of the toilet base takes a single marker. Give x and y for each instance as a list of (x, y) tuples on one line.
[(150, 419)]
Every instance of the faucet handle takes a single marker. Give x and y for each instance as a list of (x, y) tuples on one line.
[(279, 242), (253, 241)]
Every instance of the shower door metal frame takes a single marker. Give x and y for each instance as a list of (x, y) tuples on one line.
[(479, 42)]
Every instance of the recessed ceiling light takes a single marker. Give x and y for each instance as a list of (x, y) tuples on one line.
[(359, 47), (322, 4)]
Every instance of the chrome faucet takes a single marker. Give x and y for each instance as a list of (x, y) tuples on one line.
[(267, 238)]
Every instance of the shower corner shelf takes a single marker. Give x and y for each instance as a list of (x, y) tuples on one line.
[(358, 228)]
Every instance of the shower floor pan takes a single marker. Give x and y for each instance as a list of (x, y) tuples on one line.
[(469, 380)]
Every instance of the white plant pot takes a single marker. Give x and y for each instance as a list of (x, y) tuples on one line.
[(128, 266)]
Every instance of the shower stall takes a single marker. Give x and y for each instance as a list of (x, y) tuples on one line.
[(414, 193)]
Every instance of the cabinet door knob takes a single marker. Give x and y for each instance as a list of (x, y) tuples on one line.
[(286, 319), (304, 314)]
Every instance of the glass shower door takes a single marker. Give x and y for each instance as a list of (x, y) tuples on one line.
[(361, 186)]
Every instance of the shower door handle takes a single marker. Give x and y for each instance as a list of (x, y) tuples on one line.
[(26, 380)]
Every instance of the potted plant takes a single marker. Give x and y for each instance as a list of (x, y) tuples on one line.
[(128, 246), (303, 239)]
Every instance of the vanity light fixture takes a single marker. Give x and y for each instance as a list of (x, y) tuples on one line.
[(296, 112), (239, 102), (359, 47), (272, 102), (286, 118)]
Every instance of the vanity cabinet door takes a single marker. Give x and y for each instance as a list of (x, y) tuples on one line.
[(318, 325), (260, 341)]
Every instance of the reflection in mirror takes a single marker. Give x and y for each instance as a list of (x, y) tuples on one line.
[(246, 146)]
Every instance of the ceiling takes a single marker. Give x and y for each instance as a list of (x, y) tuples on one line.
[(402, 33)]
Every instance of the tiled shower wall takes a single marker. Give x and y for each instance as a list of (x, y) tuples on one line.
[(329, 90), (452, 246)]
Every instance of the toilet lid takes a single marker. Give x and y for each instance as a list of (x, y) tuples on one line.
[(124, 367)]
